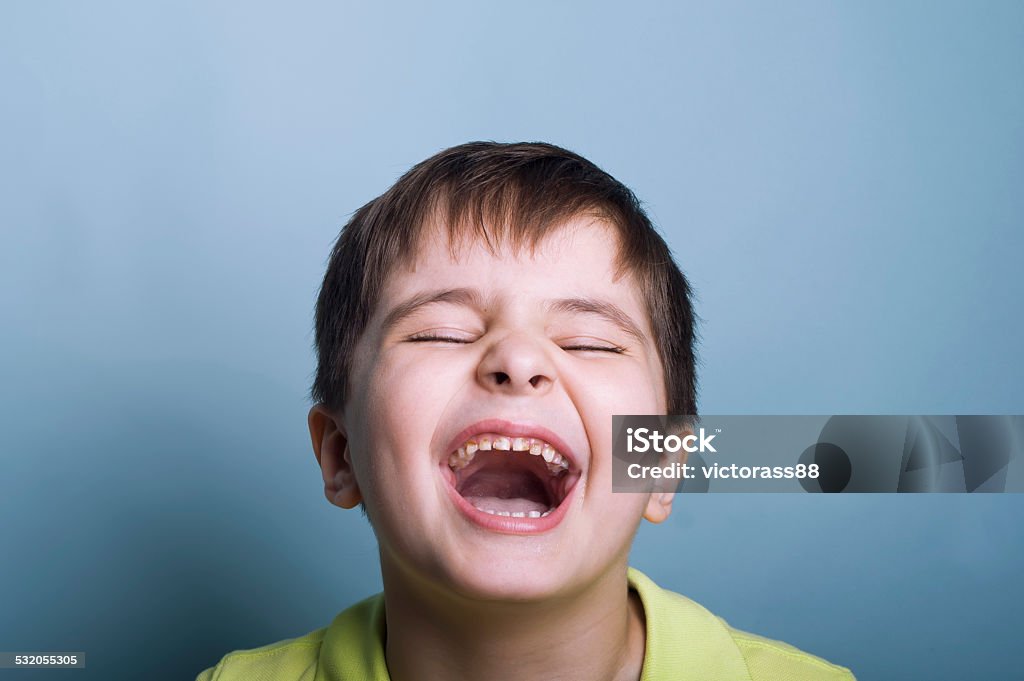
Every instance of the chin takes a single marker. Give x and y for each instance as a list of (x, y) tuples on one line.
[(507, 583)]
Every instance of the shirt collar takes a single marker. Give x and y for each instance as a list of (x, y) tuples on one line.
[(685, 642)]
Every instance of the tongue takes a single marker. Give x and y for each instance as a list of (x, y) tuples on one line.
[(516, 505), (502, 489)]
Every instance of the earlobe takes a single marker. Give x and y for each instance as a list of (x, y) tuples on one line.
[(330, 446), (659, 506)]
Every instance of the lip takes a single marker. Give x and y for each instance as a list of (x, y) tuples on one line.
[(505, 524)]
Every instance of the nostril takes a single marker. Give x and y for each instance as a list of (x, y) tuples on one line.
[(501, 377), (535, 381)]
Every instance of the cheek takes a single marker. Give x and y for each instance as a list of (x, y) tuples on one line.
[(617, 389), (600, 392), (401, 407)]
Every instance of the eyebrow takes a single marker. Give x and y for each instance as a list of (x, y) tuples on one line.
[(458, 296), (602, 309), (472, 298)]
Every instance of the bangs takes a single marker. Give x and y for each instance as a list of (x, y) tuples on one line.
[(514, 205), (507, 221)]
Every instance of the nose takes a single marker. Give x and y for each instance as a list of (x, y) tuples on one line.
[(516, 365)]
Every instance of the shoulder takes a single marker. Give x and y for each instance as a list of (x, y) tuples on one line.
[(769, 659), (350, 648), (292, 659), (683, 639)]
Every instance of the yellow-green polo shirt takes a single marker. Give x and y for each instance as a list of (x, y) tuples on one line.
[(685, 642)]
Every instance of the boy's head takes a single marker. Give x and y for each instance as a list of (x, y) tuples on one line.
[(501, 194), (477, 327)]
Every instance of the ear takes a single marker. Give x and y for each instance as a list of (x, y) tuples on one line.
[(659, 504), (330, 445)]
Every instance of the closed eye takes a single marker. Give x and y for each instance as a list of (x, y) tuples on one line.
[(595, 348), (436, 338)]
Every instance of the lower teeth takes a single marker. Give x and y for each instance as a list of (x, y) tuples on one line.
[(518, 514)]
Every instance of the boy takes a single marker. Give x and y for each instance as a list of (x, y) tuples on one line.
[(477, 327)]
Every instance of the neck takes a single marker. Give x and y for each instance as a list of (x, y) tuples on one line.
[(433, 635)]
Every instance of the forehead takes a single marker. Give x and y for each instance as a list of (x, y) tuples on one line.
[(581, 252)]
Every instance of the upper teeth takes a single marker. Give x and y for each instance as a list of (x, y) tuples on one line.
[(461, 458)]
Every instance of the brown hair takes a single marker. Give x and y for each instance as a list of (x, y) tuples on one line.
[(513, 194)]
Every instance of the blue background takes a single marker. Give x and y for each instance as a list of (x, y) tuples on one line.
[(842, 182)]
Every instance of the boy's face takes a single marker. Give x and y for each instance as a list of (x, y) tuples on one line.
[(538, 348)]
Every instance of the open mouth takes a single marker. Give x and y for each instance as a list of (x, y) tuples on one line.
[(517, 477)]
